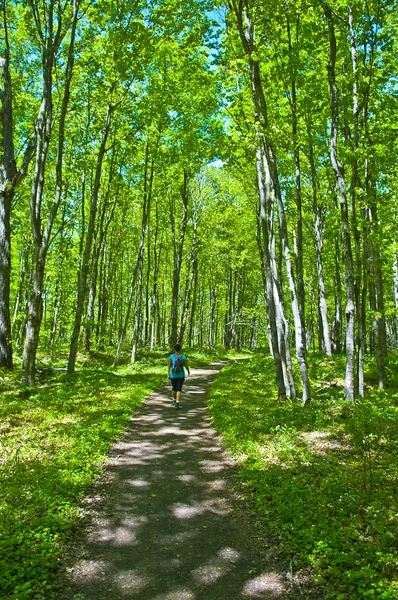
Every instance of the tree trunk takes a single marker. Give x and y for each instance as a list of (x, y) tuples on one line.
[(177, 251), (98, 244), (281, 320), (360, 289), (106, 316), (193, 306), (5, 277), (10, 179), (379, 324), (347, 253), (395, 276), (260, 107), (192, 260), (137, 271), (155, 312), (58, 285), (23, 268), (337, 324), (298, 325), (323, 309), (296, 152), (147, 298), (265, 254), (212, 298), (84, 270), (43, 133), (137, 314)]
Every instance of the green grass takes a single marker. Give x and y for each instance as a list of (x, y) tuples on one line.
[(52, 446), (324, 477)]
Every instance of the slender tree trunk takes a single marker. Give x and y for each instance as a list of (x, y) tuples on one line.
[(228, 314), (233, 309), (23, 267), (178, 251), (10, 179), (379, 325), (105, 317), (84, 270), (296, 152), (137, 315), (43, 133), (155, 312), (212, 310), (193, 306), (338, 319), (137, 271), (147, 298), (58, 285), (360, 291), (395, 275), (298, 325), (201, 319), (193, 258), (57, 302), (138, 308), (241, 300), (98, 245), (281, 320), (246, 33), (92, 292), (347, 253), (265, 254), (5, 277), (323, 309)]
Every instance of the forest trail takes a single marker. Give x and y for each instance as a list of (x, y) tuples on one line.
[(168, 527)]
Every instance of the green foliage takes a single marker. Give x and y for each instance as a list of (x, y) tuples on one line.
[(323, 476)]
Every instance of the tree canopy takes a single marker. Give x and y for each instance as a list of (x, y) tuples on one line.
[(222, 173)]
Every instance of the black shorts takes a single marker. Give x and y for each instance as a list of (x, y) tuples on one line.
[(177, 382)]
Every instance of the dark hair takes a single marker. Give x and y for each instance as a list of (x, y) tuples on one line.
[(177, 347)]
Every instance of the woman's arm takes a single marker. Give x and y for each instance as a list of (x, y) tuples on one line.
[(186, 366), (169, 368)]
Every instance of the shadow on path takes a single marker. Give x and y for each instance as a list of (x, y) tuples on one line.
[(167, 528)]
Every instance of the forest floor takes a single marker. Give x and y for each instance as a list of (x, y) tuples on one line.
[(165, 520), (323, 477), (108, 492)]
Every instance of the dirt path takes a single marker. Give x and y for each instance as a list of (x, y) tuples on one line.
[(168, 529)]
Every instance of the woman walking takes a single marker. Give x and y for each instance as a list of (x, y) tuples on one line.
[(176, 373)]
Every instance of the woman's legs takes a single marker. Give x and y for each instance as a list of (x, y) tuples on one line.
[(180, 382), (177, 387)]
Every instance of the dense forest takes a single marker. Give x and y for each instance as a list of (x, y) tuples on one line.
[(218, 173), (213, 173)]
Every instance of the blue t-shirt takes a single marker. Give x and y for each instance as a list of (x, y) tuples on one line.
[(181, 374)]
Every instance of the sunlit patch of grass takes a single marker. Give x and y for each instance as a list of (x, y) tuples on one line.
[(323, 476)]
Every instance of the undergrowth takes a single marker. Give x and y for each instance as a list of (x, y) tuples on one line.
[(52, 445), (323, 476)]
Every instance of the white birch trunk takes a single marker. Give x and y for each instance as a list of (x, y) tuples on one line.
[(338, 170)]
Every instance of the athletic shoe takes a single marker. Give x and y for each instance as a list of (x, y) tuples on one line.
[(177, 404)]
